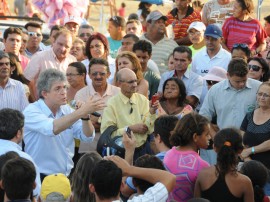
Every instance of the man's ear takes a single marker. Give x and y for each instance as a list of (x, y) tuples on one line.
[(34, 185), (122, 186), (195, 137), (92, 188)]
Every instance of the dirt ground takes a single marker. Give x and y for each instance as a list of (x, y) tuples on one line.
[(95, 17)]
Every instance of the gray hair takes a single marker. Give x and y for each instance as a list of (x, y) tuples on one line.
[(55, 197), (47, 78), (3, 55)]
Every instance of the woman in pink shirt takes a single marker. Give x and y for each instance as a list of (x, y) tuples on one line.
[(191, 133)]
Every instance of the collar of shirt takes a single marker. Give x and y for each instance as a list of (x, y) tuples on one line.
[(174, 12), (126, 100), (10, 144), (30, 54), (186, 74), (10, 82), (228, 85), (108, 91), (46, 110)]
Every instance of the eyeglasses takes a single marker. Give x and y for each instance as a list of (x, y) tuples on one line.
[(130, 82), (85, 34), (34, 34), (4, 63), (72, 75), (264, 95), (210, 83), (98, 73), (242, 45), (255, 68)]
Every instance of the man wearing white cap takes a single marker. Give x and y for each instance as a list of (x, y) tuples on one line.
[(72, 23), (161, 45), (195, 33)]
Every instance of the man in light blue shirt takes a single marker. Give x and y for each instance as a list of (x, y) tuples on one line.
[(11, 135), (51, 125), (231, 99)]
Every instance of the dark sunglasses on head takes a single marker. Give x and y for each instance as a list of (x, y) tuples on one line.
[(34, 34), (255, 68), (115, 19), (210, 83), (242, 45)]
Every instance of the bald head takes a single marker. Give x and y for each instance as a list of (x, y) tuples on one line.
[(127, 81), (124, 74)]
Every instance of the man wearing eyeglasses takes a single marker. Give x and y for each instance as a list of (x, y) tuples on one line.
[(85, 31), (13, 42), (130, 109), (12, 93), (99, 88), (34, 43)]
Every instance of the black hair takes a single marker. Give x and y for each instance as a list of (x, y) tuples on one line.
[(183, 49), (11, 121), (99, 61), (118, 21), (238, 67), (18, 178), (86, 26), (163, 126), (106, 178), (3, 159), (56, 28), (182, 91), (80, 67), (133, 36), (267, 18), (265, 67), (12, 30), (82, 177), (228, 143), (147, 161), (133, 16), (186, 127), (144, 46), (33, 24), (258, 174)]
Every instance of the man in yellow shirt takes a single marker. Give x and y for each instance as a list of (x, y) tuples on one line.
[(130, 109)]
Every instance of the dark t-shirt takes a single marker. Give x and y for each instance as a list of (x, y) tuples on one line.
[(255, 135)]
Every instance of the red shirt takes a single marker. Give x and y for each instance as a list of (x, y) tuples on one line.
[(180, 26)]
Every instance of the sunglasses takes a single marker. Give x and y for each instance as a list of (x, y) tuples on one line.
[(210, 83), (34, 34), (242, 45), (4, 63), (85, 34), (115, 19), (255, 68)]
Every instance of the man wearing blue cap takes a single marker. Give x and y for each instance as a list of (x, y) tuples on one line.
[(213, 54)]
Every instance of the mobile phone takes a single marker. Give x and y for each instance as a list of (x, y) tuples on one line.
[(128, 131), (154, 99)]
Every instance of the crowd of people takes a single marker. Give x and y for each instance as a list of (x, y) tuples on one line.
[(138, 115)]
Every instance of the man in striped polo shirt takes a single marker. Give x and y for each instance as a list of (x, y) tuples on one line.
[(180, 18)]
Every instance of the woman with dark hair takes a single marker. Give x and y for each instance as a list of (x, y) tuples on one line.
[(241, 50), (190, 133), (97, 46), (173, 100), (258, 69), (222, 182), (258, 174), (256, 126), (81, 178), (16, 72), (76, 77), (243, 28)]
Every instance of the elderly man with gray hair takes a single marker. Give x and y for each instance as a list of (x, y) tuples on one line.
[(51, 124)]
